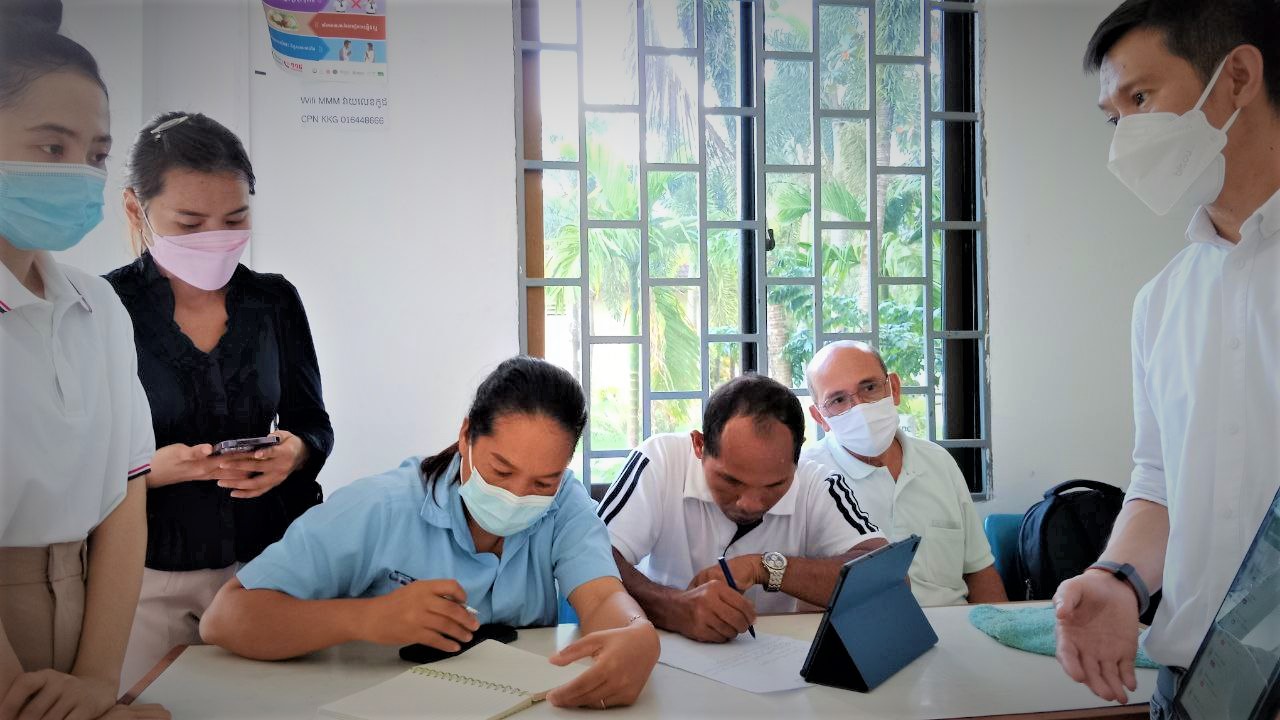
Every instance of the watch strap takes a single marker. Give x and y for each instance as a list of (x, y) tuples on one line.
[(774, 583), (1128, 574)]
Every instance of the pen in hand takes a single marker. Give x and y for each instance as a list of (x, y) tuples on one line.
[(724, 567), (401, 579)]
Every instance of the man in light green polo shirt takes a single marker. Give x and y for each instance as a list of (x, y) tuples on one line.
[(908, 485)]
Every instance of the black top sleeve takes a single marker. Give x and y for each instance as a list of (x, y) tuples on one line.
[(301, 409)]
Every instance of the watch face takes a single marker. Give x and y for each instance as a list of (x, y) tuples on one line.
[(774, 561)]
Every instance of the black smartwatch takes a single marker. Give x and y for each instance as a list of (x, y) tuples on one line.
[(1127, 573)]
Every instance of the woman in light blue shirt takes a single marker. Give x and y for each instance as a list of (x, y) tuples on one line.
[(495, 522)]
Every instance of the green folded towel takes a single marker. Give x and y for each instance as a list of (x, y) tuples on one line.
[(1029, 629)]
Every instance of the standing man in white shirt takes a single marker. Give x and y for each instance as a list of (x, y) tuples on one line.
[(737, 489), (908, 485), (1194, 86)]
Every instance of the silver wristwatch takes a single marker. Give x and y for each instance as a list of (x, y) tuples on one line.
[(775, 563)]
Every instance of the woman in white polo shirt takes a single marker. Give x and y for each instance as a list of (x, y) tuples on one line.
[(75, 429)]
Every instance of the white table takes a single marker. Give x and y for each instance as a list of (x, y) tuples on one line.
[(966, 675)]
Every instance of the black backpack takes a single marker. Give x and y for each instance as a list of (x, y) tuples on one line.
[(1064, 534)]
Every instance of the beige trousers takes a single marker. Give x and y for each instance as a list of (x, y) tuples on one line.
[(42, 594), (169, 612)]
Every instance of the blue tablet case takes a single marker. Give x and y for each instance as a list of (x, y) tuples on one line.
[(873, 626)]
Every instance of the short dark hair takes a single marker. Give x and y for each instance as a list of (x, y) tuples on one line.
[(1201, 32), (197, 143), (758, 397), (520, 386), (30, 48)]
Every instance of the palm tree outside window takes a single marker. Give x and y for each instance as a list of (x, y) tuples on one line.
[(712, 187)]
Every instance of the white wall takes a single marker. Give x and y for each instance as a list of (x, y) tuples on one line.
[(1069, 248), (152, 62), (112, 31), (197, 59), (403, 242)]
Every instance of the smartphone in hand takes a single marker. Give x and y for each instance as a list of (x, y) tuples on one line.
[(245, 445)]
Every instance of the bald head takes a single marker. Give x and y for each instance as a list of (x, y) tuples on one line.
[(843, 365)]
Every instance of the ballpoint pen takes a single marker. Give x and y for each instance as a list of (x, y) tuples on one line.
[(724, 566), (399, 577)]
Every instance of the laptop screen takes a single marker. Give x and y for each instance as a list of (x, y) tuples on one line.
[(1234, 675)]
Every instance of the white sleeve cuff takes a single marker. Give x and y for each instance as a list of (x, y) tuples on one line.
[(1147, 483)]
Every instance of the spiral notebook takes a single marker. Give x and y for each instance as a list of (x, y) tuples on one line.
[(490, 681)]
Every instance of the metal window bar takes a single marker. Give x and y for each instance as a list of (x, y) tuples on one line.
[(759, 357), (584, 264), (752, 197), (646, 286)]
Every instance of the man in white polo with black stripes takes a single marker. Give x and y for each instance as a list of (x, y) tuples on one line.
[(733, 490)]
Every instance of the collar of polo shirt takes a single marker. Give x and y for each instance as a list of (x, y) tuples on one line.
[(855, 468), (58, 287)]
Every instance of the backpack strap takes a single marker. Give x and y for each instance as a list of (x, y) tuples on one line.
[(1068, 486)]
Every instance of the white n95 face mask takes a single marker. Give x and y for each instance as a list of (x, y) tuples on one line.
[(867, 429), (1167, 159)]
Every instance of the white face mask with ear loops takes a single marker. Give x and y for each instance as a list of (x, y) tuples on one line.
[(1168, 159), (867, 429), (498, 510)]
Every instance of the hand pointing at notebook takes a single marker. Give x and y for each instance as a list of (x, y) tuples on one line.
[(621, 642), (622, 660)]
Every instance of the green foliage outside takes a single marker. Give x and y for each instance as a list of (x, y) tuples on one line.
[(614, 254)]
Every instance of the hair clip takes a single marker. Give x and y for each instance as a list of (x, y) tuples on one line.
[(172, 122)]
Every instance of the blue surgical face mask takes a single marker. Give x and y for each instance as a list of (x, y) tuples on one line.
[(49, 206), (499, 511)]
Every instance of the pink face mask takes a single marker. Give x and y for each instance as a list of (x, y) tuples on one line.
[(206, 260)]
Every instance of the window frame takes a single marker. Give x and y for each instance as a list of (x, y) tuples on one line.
[(961, 330)]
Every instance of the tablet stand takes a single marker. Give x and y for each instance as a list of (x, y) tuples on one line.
[(873, 626)]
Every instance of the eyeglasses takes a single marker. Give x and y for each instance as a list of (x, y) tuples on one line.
[(842, 401)]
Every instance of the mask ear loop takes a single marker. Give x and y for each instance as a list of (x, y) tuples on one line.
[(1213, 82), (146, 221), (1231, 121)]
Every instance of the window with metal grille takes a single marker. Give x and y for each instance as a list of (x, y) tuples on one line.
[(712, 187)]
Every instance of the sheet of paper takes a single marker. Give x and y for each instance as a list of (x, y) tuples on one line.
[(768, 663)]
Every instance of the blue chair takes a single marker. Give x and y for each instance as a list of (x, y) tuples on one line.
[(1002, 534)]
